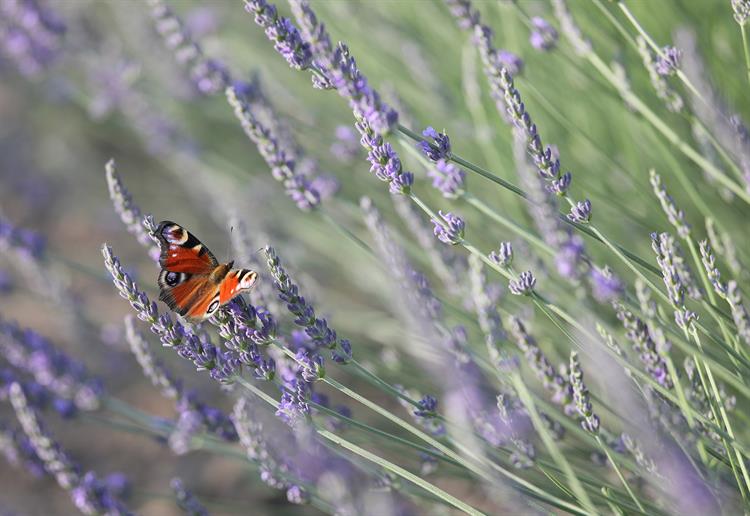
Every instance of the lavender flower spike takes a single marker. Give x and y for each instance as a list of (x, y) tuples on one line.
[(208, 75), (741, 10), (449, 230), (590, 421), (129, 212), (89, 494), (284, 35), (283, 170), (675, 215), (321, 335), (448, 178), (522, 285)]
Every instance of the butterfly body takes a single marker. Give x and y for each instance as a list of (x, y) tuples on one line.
[(192, 282)]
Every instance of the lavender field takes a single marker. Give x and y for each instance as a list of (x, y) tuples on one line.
[(488, 257)]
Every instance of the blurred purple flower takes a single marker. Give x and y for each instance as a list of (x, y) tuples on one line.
[(668, 61), (543, 36)]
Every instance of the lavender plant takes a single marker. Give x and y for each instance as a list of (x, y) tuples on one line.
[(462, 329)]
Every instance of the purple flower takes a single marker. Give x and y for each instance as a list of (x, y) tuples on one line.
[(559, 386), (64, 377), (569, 256), (284, 35), (580, 212), (346, 147), (186, 499), (560, 185), (297, 185), (605, 285), (339, 69), (668, 61), (32, 35), (522, 285), (89, 494), (639, 335), (589, 420), (503, 256), (510, 61), (311, 365), (543, 36), (448, 178), (449, 230), (208, 75), (427, 406), (439, 148)]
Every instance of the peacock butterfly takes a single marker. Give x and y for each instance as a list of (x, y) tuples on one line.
[(192, 281)]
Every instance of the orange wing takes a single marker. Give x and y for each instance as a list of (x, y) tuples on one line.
[(235, 283), (182, 252)]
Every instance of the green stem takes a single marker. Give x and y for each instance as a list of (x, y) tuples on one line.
[(552, 448), (619, 473), (385, 464)]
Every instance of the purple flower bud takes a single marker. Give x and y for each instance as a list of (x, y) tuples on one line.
[(439, 148), (522, 285), (605, 285), (544, 35), (580, 212), (186, 499), (504, 256), (449, 230), (510, 62), (560, 185), (668, 61), (448, 178)]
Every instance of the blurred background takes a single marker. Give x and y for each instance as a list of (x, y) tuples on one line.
[(95, 81)]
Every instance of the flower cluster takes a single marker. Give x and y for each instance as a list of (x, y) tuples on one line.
[(675, 215), (186, 499), (65, 378), (668, 61), (543, 35), (129, 212), (194, 414), (570, 29), (728, 291), (650, 354), (208, 75), (440, 146), (557, 384), (285, 37), (297, 185), (741, 10), (31, 35), (580, 212), (671, 98), (449, 228), (340, 70), (522, 285), (486, 310), (590, 421), (89, 494), (503, 256)]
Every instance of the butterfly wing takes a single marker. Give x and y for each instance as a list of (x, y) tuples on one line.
[(181, 252), (185, 279), (235, 283)]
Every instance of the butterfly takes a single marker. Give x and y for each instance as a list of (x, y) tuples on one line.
[(192, 281)]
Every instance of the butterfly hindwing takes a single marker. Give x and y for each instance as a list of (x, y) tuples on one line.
[(235, 282)]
